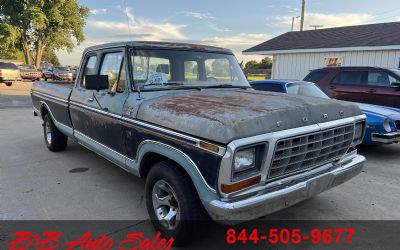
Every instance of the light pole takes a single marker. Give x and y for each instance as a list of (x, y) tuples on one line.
[(293, 17), (303, 10)]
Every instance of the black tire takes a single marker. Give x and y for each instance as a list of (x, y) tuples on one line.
[(45, 79), (54, 139), (8, 84), (192, 214)]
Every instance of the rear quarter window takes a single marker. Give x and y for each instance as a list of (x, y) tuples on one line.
[(8, 66), (316, 76), (349, 77)]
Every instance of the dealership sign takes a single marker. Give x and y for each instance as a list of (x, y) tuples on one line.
[(333, 61)]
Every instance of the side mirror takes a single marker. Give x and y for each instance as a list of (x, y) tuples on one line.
[(96, 82), (395, 84)]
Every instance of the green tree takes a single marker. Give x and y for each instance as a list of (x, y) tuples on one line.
[(266, 63), (40, 24), (49, 55)]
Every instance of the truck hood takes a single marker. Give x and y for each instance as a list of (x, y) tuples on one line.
[(224, 115)]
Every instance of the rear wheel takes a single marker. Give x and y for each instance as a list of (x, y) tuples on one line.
[(55, 140), (172, 203), (8, 83)]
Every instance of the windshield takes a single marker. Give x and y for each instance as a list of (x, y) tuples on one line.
[(160, 69), (396, 71), (8, 66), (306, 89), (27, 67)]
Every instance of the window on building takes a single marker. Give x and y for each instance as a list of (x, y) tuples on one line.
[(349, 77), (268, 87), (316, 76)]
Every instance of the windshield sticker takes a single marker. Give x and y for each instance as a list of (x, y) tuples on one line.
[(156, 78)]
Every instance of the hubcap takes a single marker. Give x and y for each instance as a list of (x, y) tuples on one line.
[(165, 204), (48, 132)]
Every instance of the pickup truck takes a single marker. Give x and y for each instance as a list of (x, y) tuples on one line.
[(184, 118)]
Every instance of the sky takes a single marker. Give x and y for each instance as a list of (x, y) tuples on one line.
[(233, 24)]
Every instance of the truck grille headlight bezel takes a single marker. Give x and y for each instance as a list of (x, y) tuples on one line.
[(248, 160)]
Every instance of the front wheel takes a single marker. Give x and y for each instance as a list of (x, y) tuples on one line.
[(8, 84), (55, 140), (173, 204)]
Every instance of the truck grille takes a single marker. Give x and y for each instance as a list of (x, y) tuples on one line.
[(304, 152)]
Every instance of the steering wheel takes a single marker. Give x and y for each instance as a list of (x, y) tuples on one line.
[(211, 78)]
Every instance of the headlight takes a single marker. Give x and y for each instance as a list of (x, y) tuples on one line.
[(358, 132), (386, 125), (244, 159)]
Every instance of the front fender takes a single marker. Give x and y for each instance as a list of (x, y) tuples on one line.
[(205, 192)]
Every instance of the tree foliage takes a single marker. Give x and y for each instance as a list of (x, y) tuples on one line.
[(266, 63), (39, 25)]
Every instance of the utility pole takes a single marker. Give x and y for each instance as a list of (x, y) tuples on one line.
[(293, 17), (303, 10)]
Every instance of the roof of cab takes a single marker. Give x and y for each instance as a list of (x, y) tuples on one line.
[(160, 45)]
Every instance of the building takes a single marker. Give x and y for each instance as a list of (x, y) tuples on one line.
[(296, 53)]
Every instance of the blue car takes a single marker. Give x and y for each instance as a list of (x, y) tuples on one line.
[(382, 122)]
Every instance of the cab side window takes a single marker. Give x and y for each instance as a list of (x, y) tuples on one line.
[(378, 78), (113, 67), (90, 68), (349, 77)]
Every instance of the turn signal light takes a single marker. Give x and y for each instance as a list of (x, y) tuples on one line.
[(1, 73), (230, 188), (209, 146)]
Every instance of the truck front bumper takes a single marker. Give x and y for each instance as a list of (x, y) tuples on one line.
[(269, 202), (386, 138)]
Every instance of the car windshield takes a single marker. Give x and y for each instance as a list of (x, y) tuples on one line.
[(306, 89), (161, 69), (27, 67), (396, 71), (8, 66)]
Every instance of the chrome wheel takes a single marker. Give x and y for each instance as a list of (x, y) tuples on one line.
[(48, 132), (165, 204)]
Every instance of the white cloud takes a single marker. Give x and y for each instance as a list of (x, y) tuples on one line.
[(239, 42), (214, 27), (199, 15), (140, 28), (327, 20), (98, 11)]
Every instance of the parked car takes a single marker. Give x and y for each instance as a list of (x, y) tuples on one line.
[(359, 84), (383, 123), (9, 73), (30, 72), (184, 118), (47, 73), (62, 74)]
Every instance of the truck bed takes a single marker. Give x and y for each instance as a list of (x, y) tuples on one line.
[(57, 89)]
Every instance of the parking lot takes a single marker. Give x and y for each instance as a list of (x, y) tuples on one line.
[(78, 184)]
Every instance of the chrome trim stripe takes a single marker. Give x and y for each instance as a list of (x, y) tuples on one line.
[(194, 140), (38, 94)]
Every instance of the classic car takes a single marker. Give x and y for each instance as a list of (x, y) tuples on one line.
[(382, 122), (184, 118), (30, 72)]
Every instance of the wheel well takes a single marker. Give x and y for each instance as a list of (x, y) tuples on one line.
[(43, 111), (150, 159)]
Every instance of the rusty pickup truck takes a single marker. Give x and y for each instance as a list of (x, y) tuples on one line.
[(184, 118)]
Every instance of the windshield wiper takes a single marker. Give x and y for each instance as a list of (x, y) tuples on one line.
[(224, 86)]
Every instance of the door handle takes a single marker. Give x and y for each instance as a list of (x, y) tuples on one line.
[(90, 99), (371, 91)]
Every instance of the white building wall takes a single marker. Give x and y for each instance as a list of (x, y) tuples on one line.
[(298, 65)]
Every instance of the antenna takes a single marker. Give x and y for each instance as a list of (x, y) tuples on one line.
[(127, 19), (316, 26)]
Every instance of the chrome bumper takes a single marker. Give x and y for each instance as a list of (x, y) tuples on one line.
[(386, 138), (255, 207)]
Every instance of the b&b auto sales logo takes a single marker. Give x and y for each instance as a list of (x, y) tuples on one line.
[(52, 240)]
